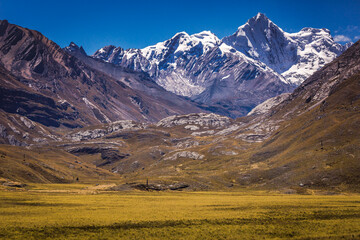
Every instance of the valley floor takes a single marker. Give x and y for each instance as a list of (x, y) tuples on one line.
[(80, 211)]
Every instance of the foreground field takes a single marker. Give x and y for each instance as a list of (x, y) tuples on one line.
[(46, 212)]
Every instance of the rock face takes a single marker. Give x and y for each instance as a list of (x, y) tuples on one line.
[(294, 55)]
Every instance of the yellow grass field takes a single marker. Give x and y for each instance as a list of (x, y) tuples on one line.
[(66, 212)]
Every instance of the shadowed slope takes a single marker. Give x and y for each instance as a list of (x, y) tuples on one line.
[(96, 97)]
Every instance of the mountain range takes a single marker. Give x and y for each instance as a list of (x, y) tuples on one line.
[(69, 114), (233, 75)]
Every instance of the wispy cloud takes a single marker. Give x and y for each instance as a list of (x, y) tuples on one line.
[(347, 34), (341, 38), (352, 28)]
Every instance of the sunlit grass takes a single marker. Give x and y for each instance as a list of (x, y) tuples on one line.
[(177, 215)]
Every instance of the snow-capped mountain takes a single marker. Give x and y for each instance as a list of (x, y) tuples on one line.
[(315, 48), (202, 67), (294, 55), (257, 62), (165, 59)]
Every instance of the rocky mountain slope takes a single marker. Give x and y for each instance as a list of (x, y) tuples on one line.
[(267, 105), (317, 143), (48, 85)]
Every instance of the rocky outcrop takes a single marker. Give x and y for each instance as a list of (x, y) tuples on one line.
[(106, 130), (185, 154), (19, 130), (187, 143), (228, 130), (203, 133), (6, 138), (197, 119)]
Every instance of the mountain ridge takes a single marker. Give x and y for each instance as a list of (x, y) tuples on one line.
[(91, 95), (207, 69)]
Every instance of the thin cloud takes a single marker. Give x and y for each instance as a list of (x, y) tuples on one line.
[(347, 34), (352, 28), (341, 38)]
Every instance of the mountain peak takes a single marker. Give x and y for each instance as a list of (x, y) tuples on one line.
[(183, 42), (315, 30), (109, 52), (204, 33), (73, 47), (107, 48), (72, 44), (259, 18), (258, 23), (206, 38), (181, 34)]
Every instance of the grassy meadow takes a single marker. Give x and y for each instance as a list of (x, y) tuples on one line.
[(86, 212)]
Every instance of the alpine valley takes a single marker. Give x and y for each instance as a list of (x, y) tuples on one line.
[(259, 109)]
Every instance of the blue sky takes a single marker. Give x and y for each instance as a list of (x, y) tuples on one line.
[(138, 23)]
